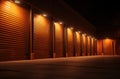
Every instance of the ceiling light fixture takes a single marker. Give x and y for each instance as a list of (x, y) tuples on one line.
[(17, 1), (61, 22), (71, 28), (45, 15)]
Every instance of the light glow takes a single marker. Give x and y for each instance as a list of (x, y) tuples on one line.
[(12, 8), (8, 5), (71, 28), (79, 31), (58, 27), (61, 22), (107, 40), (45, 15), (17, 1), (88, 36), (70, 34), (84, 34)]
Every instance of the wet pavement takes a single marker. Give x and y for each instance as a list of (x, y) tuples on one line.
[(84, 67)]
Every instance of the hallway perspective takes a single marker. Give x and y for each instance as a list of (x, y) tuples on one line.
[(84, 67)]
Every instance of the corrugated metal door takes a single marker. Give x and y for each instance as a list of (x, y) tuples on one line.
[(92, 46), (77, 44), (107, 47), (14, 31), (70, 42), (58, 40), (88, 44), (41, 37), (84, 44)]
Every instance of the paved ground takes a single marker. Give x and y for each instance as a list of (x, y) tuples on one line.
[(86, 67)]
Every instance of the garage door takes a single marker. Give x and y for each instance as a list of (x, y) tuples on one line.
[(14, 31), (77, 43), (58, 40), (70, 42), (83, 44), (88, 45), (41, 35)]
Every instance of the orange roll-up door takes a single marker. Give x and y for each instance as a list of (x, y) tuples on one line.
[(58, 40), (88, 44), (14, 31), (92, 46), (77, 44), (41, 37), (108, 47), (70, 42), (83, 44), (99, 47)]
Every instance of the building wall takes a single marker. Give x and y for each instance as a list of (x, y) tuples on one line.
[(26, 33), (117, 44), (58, 9), (117, 36)]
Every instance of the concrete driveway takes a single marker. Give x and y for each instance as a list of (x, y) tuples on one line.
[(84, 67)]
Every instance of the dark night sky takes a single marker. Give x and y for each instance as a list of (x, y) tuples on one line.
[(101, 13)]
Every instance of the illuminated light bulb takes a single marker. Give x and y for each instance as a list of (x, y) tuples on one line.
[(54, 22), (71, 28), (61, 22), (76, 32), (79, 31), (17, 1), (45, 15), (82, 34), (85, 34)]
